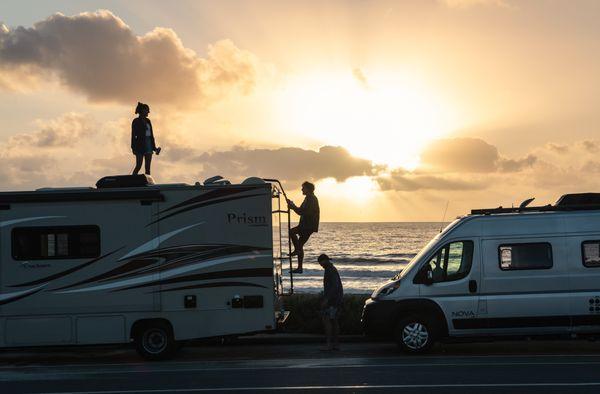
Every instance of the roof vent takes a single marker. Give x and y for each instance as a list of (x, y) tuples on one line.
[(216, 180), (114, 181), (579, 199)]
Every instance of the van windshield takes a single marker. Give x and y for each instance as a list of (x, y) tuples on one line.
[(417, 257), (426, 249)]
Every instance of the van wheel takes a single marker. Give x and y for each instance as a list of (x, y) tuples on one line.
[(155, 341), (416, 334)]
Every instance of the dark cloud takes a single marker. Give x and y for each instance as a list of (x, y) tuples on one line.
[(401, 180), (515, 165), (290, 164), (98, 55)]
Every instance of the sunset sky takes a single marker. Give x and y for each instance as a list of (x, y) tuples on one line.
[(393, 108)]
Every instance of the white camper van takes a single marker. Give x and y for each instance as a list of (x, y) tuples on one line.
[(133, 261), (523, 271)]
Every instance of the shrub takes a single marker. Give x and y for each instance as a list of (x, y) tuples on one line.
[(305, 316)]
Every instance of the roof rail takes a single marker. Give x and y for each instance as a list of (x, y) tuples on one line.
[(545, 208), (567, 202)]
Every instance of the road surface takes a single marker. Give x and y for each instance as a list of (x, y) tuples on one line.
[(501, 367)]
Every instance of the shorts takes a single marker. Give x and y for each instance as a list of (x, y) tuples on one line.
[(330, 312)]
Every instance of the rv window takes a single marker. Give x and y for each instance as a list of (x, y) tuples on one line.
[(451, 262), (590, 251), (528, 256), (65, 242)]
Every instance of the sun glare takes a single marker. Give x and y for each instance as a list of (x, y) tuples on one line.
[(386, 119)]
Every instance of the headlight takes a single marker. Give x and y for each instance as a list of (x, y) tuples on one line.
[(385, 290)]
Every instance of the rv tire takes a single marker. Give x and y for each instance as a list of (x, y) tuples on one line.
[(154, 341), (416, 333)]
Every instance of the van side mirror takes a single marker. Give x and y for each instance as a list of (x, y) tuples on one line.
[(424, 277), (429, 277)]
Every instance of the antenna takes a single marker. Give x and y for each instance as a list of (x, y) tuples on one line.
[(444, 216)]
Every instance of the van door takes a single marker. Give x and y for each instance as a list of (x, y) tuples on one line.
[(525, 284), (454, 275)]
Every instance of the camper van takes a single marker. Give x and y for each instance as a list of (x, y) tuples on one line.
[(523, 271), (134, 261)]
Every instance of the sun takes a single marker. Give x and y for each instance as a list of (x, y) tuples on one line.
[(385, 118)]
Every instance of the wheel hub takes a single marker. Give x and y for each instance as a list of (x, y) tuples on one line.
[(155, 341), (415, 335)]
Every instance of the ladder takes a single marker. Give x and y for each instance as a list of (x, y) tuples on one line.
[(281, 251)]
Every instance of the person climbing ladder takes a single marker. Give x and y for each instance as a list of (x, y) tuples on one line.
[(309, 222)]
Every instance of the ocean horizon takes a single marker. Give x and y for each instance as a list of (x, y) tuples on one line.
[(366, 254)]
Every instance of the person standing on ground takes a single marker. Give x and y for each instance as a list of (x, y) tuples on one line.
[(333, 295), (309, 222), (142, 139)]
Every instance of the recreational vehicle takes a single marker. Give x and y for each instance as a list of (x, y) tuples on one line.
[(133, 261), (522, 271)]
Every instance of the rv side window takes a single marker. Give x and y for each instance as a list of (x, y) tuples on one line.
[(452, 262), (530, 256), (65, 242), (590, 251)]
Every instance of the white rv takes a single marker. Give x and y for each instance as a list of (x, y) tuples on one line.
[(134, 261), (523, 271)]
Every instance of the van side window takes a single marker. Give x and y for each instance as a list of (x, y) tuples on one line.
[(527, 256), (452, 262), (590, 252), (64, 242)]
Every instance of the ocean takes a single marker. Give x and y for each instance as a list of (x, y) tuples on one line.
[(365, 254)]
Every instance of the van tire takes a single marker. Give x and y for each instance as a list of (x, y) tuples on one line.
[(416, 333), (154, 341)]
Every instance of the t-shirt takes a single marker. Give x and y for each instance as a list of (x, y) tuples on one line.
[(309, 214), (333, 291), (148, 130)]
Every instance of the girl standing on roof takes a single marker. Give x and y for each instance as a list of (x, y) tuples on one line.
[(142, 139)]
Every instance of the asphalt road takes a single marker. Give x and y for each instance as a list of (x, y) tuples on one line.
[(521, 367)]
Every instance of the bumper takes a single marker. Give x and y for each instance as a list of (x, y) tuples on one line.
[(378, 318)]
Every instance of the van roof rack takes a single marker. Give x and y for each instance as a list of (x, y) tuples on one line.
[(567, 202)]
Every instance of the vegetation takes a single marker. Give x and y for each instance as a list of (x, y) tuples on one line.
[(305, 316)]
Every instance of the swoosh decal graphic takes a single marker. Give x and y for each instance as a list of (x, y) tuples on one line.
[(17, 295), (15, 221), (66, 272), (155, 242), (203, 204), (240, 273), (165, 275), (217, 193), (130, 266)]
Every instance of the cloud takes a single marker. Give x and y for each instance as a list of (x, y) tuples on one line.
[(401, 180), (469, 155), (98, 55), (516, 165), (474, 3), (590, 146), (287, 163), (65, 130), (360, 77), (558, 148)]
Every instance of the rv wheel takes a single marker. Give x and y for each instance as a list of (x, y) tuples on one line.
[(155, 341), (415, 334)]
